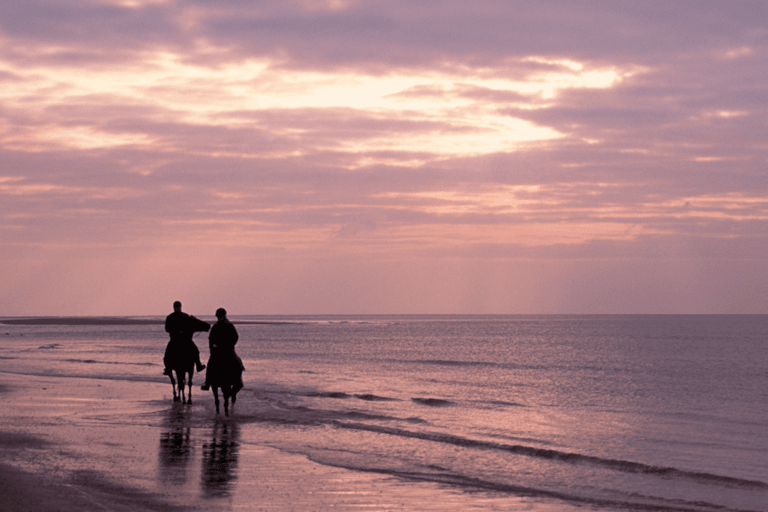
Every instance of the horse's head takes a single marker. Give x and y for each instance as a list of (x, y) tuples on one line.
[(197, 325)]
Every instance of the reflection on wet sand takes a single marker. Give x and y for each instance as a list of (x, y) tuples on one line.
[(220, 460), (175, 449)]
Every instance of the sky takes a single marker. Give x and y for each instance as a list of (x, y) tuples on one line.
[(371, 157)]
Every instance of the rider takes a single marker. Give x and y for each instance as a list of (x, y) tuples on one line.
[(221, 342), (178, 325)]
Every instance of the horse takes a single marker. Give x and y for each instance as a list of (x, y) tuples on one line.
[(225, 371), (181, 357)]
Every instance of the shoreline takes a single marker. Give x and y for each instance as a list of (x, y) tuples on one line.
[(78, 444)]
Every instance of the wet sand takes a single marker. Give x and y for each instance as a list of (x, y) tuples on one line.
[(24, 492), (76, 444)]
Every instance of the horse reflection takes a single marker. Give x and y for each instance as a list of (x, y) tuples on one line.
[(220, 460), (175, 450)]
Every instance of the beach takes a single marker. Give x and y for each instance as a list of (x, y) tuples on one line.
[(411, 413), (69, 444)]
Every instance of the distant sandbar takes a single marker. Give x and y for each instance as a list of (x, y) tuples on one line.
[(108, 320), (81, 320)]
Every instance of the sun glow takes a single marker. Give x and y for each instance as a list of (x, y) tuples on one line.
[(166, 87)]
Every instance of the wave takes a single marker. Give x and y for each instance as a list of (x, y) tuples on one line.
[(21, 440), (566, 457), (632, 502), (505, 365), (449, 362), (307, 416), (342, 395), (481, 364), (433, 402), (326, 394), (375, 398), (426, 401), (96, 361), (498, 403)]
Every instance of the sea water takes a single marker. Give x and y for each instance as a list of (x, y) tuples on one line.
[(604, 412)]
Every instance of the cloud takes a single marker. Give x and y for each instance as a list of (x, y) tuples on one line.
[(411, 143)]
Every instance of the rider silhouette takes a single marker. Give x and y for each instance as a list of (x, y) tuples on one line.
[(223, 360), (179, 326)]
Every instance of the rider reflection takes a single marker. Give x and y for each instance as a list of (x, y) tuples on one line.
[(220, 460)]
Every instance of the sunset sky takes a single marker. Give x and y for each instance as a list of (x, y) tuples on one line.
[(309, 157)]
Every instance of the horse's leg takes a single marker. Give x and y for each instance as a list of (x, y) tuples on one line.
[(216, 397), (226, 390), (189, 400), (180, 376), (173, 383)]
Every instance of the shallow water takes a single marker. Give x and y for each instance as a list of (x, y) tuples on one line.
[(608, 412)]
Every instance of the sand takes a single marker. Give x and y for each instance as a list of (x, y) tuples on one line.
[(23, 492), (79, 444), (73, 444)]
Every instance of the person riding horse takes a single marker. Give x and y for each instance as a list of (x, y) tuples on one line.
[(225, 368), (181, 327)]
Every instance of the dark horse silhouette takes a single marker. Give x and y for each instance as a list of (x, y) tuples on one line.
[(181, 356), (225, 372), (225, 368)]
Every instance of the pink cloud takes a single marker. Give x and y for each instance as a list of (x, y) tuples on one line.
[(364, 157)]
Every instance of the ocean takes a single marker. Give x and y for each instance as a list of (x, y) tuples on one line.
[(616, 412)]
